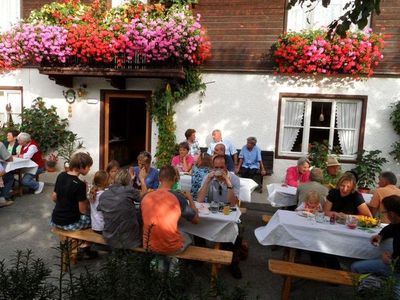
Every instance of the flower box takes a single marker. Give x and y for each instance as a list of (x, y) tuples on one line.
[(313, 52)]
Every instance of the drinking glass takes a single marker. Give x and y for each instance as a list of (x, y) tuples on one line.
[(214, 206), (319, 216), (351, 222)]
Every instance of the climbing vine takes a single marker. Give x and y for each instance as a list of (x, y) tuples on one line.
[(162, 110)]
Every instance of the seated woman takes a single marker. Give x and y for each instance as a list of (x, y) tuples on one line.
[(200, 170), (11, 142), (383, 266), (144, 176), (184, 161), (112, 169), (345, 200), (298, 174)]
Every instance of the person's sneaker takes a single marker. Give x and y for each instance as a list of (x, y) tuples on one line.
[(40, 188), (4, 202), (235, 271)]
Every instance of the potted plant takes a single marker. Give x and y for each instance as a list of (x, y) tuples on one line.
[(368, 167), (51, 162), (69, 147)]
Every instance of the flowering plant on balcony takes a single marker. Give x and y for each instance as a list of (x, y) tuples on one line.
[(312, 52), (70, 33)]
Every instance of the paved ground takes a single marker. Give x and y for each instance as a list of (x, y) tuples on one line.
[(25, 225)]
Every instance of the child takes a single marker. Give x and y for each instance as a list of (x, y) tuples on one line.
[(184, 161), (100, 182), (70, 212), (311, 203), (112, 169), (382, 266)]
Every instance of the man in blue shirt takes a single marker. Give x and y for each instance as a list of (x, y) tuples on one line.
[(229, 147), (250, 162)]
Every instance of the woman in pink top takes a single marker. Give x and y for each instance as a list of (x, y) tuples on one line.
[(184, 161), (298, 174)]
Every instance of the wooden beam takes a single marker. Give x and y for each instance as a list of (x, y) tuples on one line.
[(117, 82), (66, 81)]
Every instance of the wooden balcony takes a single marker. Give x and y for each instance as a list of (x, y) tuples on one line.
[(116, 76)]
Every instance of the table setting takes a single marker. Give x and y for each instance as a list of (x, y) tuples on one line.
[(317, 232), (217, 224)]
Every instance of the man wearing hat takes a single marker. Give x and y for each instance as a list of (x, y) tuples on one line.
[(332, 172)]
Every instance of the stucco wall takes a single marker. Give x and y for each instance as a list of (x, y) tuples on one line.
[(240, 105), (247, 105)]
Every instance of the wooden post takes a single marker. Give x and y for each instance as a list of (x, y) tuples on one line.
[(287, 280)]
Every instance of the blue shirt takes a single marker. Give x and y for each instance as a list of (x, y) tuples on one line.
[(229, 147), (151, 180), (251, 158)]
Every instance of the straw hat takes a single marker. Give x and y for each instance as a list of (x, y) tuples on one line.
[(332, 161)]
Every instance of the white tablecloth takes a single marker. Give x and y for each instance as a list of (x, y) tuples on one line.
[(215, 227), (27, 165), (286, 228), (281, 196), (247, 186)]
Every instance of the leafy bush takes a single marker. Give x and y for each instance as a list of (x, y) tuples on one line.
[(45, 125)]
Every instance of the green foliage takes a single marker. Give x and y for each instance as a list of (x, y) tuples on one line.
[(69, 147), (358, 13), (319, 152), (25, 279), (395, 119), (45, 126), (163, 112), (368, 167)]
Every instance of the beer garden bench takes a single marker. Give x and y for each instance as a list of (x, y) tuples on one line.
[(210, 255)]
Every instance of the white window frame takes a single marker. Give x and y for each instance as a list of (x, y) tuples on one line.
[(308, 99), (10, 13), (13, 96), (303, 18)]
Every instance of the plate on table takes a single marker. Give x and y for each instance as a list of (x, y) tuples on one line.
[(303, 213)]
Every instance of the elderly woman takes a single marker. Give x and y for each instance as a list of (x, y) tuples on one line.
[(194, 148), (345, 200), (298, 174), (144, 176), (11, 143)]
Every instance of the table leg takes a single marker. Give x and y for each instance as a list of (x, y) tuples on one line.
[(290, 254), (214, 268)]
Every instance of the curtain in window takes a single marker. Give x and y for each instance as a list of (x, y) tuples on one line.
[(346, 118), (10, 13), (294, 113)]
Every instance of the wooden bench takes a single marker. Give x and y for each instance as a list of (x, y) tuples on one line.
[(291, 269), (213, 256)]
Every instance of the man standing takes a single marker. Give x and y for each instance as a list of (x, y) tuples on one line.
[(30, 149), (387, 187), (250, 162), (229, 147), (223, 186)]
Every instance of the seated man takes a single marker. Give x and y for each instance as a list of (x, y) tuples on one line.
[(219, 149), (316, 175), (30, 149), (332, 172), (161, 211), (250, 162), (387, 187), (230, 149), (223, 186)]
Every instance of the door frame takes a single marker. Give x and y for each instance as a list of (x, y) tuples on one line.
[(105, 96)]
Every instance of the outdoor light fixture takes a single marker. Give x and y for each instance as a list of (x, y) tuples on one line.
[(70, 96)]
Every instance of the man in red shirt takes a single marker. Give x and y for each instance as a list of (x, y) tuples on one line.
[(161, 211), (30, 149)]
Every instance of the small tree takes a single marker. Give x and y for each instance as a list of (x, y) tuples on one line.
[(369, 166), (45, 125)]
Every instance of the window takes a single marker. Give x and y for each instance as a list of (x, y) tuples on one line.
[(10, 105), (10, 13), (316, 16), (333, 119)]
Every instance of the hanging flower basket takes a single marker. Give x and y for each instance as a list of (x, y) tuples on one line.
[(70, 33), (312, 52)]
